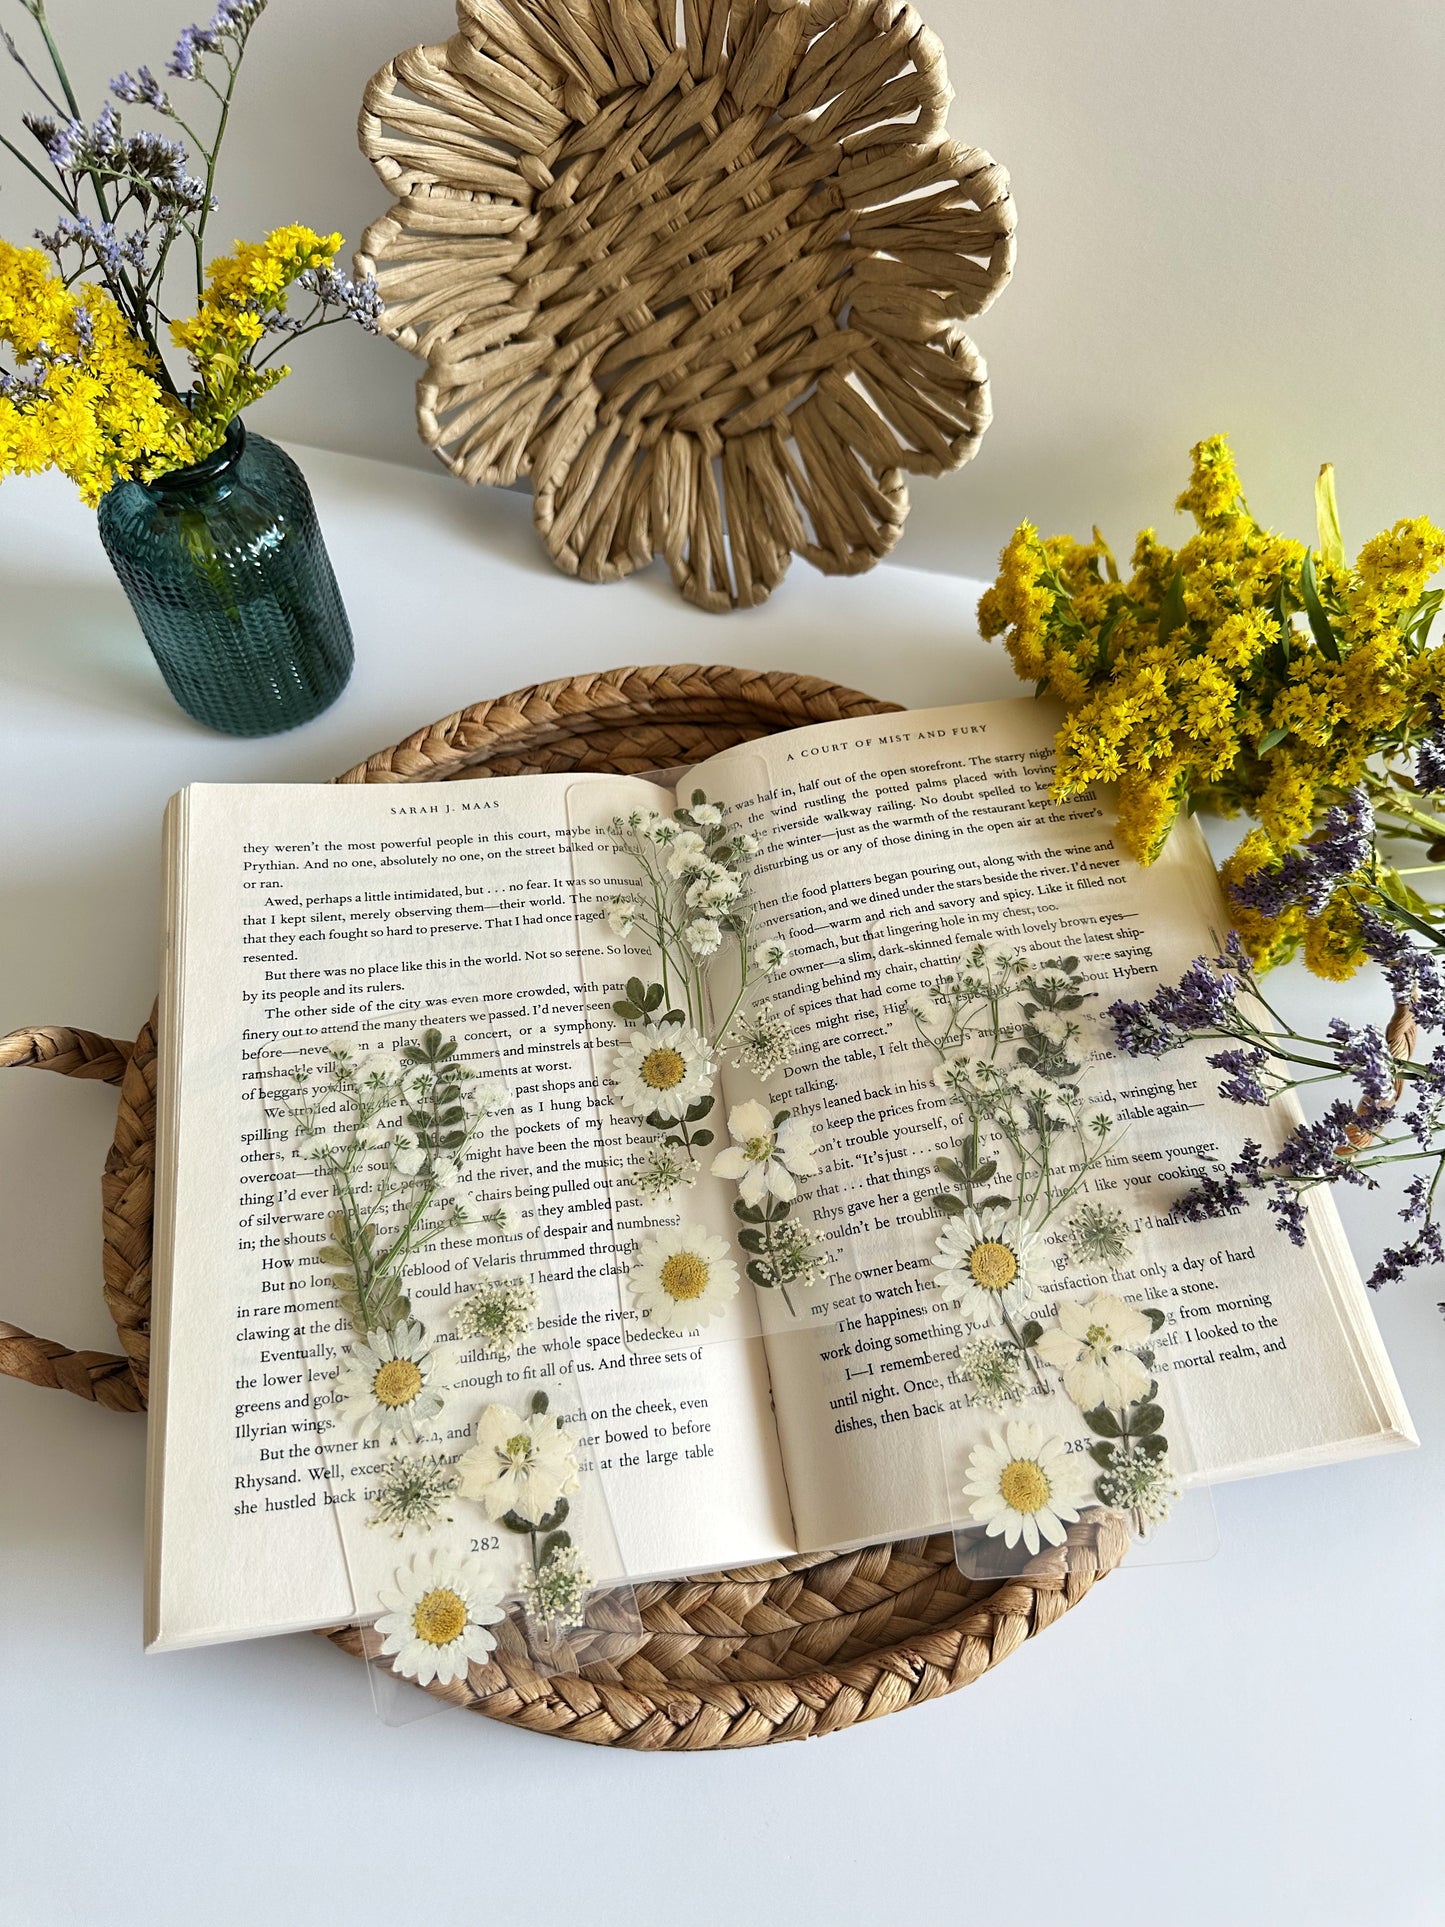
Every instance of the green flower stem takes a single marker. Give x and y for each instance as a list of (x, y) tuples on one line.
[(213, 154)]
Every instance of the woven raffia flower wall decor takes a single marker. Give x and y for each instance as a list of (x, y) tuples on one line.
[(700, 274)]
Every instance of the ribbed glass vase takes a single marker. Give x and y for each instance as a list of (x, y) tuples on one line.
[(230, 580)]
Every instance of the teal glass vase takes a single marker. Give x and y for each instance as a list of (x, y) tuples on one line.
[(229, 578)]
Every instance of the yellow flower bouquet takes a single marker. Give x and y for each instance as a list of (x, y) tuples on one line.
[(214, 538), (1246, 672)]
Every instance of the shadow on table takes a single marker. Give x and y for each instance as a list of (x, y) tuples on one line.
[(80, 642)]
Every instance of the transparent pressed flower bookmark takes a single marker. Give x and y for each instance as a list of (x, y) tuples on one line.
[(1006, 1324), (449, 1449)]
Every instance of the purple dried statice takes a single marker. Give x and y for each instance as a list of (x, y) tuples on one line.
[(1426, 1248), (1222, 1193), (141, 89), (111, 250), (1362, 1053), (1311, 1151), (361, 299), (1430, 751), (1202, 1000), (1412, 972), (1309, 874), (1243, 1085)]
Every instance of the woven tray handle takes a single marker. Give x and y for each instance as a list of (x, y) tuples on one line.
[(101, 1376)]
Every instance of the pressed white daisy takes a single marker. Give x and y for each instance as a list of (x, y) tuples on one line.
[(987, 1260), (621, 915), (436, 1620), (765, 1160), (391, 1384), (519, 1463), (1024, 1486), (497, 1314), (682, 1277), (1095, 1347), (769, 957), (762, 1043), (661, 1068), (703, 936), (556, 1592)]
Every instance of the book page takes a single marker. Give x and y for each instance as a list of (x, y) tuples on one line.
[(307, 912), (891, 844)]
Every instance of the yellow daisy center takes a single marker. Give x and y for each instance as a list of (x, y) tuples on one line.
[(757, 1149), (439, 1616), (397, 1383), (1023, 1485), (663, 1069), (684, 1275), (992, 1265)]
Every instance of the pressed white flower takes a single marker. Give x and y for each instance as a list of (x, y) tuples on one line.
[(407, 1156), (366, 1137), (745, 843), (411, 1493), (436, 1620), (661, 1068), (686, 850), (771, 956), (1097, 1233), (660, 830), (713, 887), (445, 1171), (682, 1277), (504, 1218), (556, 1592), (1095, 1347), (702, 936), (664, 1169), (621, 915), (993, 1372), (518, 1463), (497, 1314), (765, 1160), (762, 1043), (707, 814), (486, 1098), (1024, 1486), (987, 1259), (1049, 1024), (391, 1383), (1138, 1481)]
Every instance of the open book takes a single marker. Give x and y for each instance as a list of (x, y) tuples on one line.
[(888, 845)]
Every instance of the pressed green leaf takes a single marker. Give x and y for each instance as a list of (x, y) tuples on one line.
[(947, 1206), (628, 1012), (983, 1172), (555, 1542), (636, 992), (751, 1239), (655, 995), (1103, 1421), (749, 1213), (695, 1112), (672, 1017), (1032, 1332), (985, 1203), (539, 1401), (1102, 1454), (703, 1137), (1156, 1445), (554, 1518), (1154, 1315), (1146, 1419), (951, 1169)]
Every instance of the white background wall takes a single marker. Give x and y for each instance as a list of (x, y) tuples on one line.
[(1230, 218)]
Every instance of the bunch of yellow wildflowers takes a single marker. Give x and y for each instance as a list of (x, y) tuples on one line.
[(85, 388), (1243, 672)]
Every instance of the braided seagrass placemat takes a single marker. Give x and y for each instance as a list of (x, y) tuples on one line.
[(779, 1651)]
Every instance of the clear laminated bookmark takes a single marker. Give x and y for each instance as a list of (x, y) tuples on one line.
[(466, 1517), (1050, 1295), (709, 1164)]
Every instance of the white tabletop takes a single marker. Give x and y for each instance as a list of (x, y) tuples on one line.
[(1254, 1738)]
